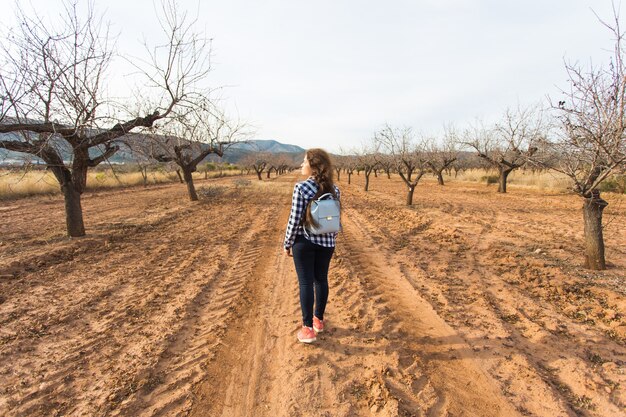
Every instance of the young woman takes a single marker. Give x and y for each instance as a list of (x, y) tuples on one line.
[(311, 253)]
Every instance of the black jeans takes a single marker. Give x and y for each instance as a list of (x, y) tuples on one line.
[(312, 262)]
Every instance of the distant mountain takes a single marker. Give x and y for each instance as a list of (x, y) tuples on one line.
[(271, 146), (232, 154), (237, 151)]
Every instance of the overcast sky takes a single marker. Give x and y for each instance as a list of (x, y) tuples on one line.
[(330, 73)]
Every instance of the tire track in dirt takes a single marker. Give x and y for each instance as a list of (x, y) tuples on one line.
[(512, 333), (90, 251), (110, 332), (271, 374), (101, 212), (534, 329), (239, 370), (203, 322), (119, 262), (265, 370), (182, 364), (380, 356), (515, 333), (467, 305), (131, 334), (57, 320), (442, 353)]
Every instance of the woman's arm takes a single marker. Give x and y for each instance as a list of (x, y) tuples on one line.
[(297, 208)]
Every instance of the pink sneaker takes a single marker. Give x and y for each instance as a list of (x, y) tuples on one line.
[(318, 325), (306, 335)]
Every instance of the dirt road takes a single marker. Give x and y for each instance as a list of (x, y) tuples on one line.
[(467, 304)]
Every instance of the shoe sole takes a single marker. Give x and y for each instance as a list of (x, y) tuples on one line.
[(316, 330), (307, 340)]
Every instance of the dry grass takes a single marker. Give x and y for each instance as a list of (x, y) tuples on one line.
[(541, 181), (108, 179), (274, 187), (14, 185), (17, 185)]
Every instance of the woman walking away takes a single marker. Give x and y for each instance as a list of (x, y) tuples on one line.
[(311, 252)]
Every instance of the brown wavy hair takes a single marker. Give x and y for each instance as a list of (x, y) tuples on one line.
[(322, 168)]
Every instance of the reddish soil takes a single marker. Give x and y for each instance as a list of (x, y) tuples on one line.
[(469, 303)]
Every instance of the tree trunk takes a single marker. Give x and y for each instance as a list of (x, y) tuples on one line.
[(367, 181), (71, 195), (439, 178), (258, 174), (409, 196), (338, 171), (73, 211), (594, 241), (504, 173), (191, 189), (144, 175), (349, 177), (180, 177), (388, 174), (268, 174)]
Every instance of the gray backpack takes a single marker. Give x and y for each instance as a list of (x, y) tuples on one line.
[(326, 213)]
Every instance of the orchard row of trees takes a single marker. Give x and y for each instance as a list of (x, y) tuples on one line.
[(55, 105), (504, 147), (264, 163), (582, 135)]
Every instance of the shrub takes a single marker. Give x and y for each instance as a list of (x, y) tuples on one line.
[(242, 183), (490, 179), (615, 184), (211, 191), (101, 177)]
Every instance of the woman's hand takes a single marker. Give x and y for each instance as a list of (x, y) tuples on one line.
[(287, 251)]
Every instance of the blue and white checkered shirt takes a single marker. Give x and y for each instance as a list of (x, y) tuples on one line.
[(303, 192)]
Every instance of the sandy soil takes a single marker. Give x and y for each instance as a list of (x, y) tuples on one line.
[(469, 303)]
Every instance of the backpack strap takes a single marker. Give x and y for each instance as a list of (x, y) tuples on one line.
[(326, 195)]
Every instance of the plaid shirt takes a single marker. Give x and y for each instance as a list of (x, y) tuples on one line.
[(303, 192)]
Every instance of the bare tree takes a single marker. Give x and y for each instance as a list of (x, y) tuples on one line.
[(140, 157), (283, 163), (338, 164), (52, 92), (257, 161), (509, 144), (208, 167), (191, 137), (590, 144), (367, 160), (350, 164), (273, 163), (441, 157), (345, 162), (465, 161), (406, 154), (277, 163), (387, 163)]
